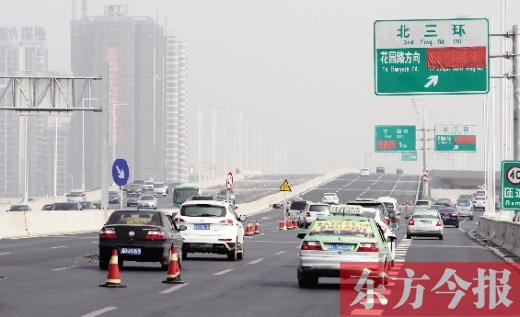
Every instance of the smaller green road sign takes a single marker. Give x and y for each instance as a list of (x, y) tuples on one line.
[(394, 138), (510, 175), (455, 138), (409, 156)]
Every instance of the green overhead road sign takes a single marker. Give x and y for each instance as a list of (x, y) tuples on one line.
[(394, 138), (455, 138), (510, 174), (409, 156), (431, 57)]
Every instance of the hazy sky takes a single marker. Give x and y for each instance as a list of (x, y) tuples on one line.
[(304, 69)]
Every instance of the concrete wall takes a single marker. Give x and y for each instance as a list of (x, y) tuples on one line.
[(17, 224), (504, 233)]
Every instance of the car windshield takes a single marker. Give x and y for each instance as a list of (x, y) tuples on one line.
[(369, 213), (148, 183), (357, 228), (364, 169), (112, 193), (135, 218), (65, 206), (138, 182), (19, 208), (146, 197), (319, 208), (180, 195), (75, 194), (133, 195), (159, 185), (132, 186), (425, 215), (298, 205), (329, 194), (480, 198), (389, 205), (437, 206), (422, 203), (203, 211)]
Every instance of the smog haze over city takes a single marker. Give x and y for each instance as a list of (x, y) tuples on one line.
[(300, 73)]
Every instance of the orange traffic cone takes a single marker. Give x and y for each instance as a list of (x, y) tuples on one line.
[(289, 223), (295, 224), (174, 273), (257, 228), (249, 229), (281, 224), (113, 277)]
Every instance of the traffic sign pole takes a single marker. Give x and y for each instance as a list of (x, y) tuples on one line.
[(120, 197), (284, 212)]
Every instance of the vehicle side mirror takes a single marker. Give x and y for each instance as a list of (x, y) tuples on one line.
[(183, 228), (407, 217), (301, 235), (392, 238), (242, 218)]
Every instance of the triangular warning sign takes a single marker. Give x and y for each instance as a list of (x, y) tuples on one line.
[(285, 187)]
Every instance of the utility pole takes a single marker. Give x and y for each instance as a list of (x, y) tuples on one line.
[(200, 143)]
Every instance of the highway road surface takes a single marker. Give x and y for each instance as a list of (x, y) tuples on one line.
[(59, 276)]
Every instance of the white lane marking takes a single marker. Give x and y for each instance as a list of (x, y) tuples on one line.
[(65, 268), (278, 253), (265, 241), (256, 261), (5, 253), (58, 247), (173, 288), (99, 312), (223, 272), (450, 246)]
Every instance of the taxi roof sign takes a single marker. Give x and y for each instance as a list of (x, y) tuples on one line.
[(423, 207), (346, 210), (285, 187)]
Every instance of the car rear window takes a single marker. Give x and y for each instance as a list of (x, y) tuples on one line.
[(422, 203), (203, 211), (480, 198), (298, 205), (135, 218), (359, 228), (463, 204), (425, 215), (447, 210), (329, 194), (319, 208), (389, 205)]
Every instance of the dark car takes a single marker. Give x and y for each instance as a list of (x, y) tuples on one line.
[(67, 206), (113, 197), (380, 169), (97, 205), (87, 205), (47, 207), (134, 188), (19, 208), (450, 216), (140, 236), (443, 201)]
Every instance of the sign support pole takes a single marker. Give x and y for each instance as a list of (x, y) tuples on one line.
[(516, 91), (120, 197), (104, 141), (284, 212), (425, 149)]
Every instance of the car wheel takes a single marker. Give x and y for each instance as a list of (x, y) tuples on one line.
[(408, 236), (127, 205), (154, 207), (441, 237), (103, 264), (233, 254), (457, 225), (470, 218), (240, 255), (306, 282), (165, 264)]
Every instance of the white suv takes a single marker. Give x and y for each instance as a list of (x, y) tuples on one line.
[(212, 227), (479, 203), (76, 195), (330, 198)]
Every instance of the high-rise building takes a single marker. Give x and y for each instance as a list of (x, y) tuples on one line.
[(24, 51), (137, 56)]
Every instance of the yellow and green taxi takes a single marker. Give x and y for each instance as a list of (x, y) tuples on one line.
[(351, 239)]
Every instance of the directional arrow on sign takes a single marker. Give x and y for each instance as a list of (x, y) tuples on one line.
[(433, 80), (120, 173)]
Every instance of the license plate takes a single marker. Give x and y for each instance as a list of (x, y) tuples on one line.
[(131, 251), (445, 217), (203, 226), (425, 229), (340, 247), (425, 222)]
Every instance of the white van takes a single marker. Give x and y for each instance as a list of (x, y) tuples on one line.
[(391, 203)]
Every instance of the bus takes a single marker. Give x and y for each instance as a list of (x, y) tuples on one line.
[(184, 192)]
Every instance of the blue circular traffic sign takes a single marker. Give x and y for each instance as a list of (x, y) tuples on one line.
[(120, 172)]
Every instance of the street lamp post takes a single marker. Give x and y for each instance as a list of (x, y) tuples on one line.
[(71, 182), (82, 146)]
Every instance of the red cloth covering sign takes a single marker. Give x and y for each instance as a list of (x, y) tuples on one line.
[(386, 144), (456, 57), (421, 289), (466, 139)]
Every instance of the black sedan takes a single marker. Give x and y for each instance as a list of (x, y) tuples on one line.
[(139, 236), (450, 216)]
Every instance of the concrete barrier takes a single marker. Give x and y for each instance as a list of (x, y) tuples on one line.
[(500, 232), (17, 224)]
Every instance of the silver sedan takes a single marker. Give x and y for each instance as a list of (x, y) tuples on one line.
[(147, 201)]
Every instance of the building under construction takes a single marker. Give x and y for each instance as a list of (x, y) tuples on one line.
[(147, 96)]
